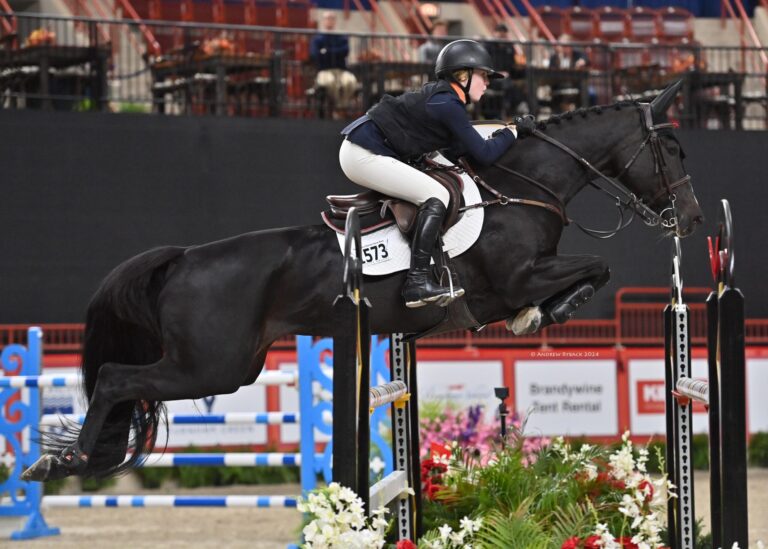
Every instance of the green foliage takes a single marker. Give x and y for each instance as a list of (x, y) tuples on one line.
[(4, 473), (96, 484), (577, 442), (656, 461), (195, 477), (153, 477), (53, 487), (432, 410), (758, 450), (700, 449), (703, 541), (258, 475), (572, 517), (133, 108), (517, 529), (564, 492), (548, 490)]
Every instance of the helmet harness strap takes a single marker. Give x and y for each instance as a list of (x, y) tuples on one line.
[(464, 89)]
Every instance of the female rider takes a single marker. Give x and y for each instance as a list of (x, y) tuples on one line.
[(378, 146)]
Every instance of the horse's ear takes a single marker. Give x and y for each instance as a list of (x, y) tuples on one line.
[(662, 101)]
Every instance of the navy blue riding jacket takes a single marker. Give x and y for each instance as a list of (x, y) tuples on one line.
[(417, 123)]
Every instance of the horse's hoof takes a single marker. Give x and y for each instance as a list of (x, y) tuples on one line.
[(48, 467), (526, 322), (565, 309), (39, 470)]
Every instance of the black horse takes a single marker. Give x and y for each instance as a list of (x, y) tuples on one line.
[(185, 323)]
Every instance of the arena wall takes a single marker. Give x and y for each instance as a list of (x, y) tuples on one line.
[(81, 192)]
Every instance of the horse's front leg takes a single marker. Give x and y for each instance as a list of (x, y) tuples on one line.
[(560, 284)]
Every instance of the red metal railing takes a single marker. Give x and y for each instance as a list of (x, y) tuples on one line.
[(499, 14), (538, 21), (408, 11), (378, 16), (153, 45), (638, 321), (745, 27), (9, 27)]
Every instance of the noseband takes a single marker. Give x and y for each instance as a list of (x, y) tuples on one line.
[(625, 199), (661, 169)]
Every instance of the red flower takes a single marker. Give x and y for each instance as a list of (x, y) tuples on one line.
[(592, 542), (441, 450), (627, 542), (603, 478), (405, 544), (430, 490), (571, 543), (642, 486)]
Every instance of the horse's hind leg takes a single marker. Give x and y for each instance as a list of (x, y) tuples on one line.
[(101, 444), (562, 284)]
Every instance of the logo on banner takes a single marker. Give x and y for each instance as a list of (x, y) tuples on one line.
[(208, 403), (651, 398)]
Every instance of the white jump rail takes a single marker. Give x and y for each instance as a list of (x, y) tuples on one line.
[(268, 377), (231, 418), (695, 389), (170, 501), (388, 393)]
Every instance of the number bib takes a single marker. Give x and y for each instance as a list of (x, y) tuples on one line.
[(387, 251)]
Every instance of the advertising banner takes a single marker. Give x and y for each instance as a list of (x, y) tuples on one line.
[(568, 397)]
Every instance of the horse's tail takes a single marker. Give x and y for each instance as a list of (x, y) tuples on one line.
[(122, 326)]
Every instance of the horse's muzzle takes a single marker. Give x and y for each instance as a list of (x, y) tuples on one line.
[(687, 224)]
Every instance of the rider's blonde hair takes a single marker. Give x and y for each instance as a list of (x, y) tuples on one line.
[(461, 75)]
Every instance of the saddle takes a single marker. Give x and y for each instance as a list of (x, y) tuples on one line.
[(377, 210), (393, 210)]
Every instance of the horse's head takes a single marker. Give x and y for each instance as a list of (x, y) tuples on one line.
[(654, 170)]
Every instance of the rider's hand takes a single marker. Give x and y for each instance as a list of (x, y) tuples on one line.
[(525, 125)]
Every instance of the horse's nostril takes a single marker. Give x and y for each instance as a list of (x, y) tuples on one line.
[(698, 220)]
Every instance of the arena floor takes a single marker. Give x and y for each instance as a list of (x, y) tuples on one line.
[(261, 528)]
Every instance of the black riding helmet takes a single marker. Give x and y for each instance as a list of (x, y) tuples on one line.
[(464, 54)]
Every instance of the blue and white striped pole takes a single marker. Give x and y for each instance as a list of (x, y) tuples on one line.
[(170, 501)]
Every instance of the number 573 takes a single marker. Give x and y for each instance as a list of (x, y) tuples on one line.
[(375, 252)]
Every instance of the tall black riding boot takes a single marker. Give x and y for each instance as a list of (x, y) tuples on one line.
[(420, 288)]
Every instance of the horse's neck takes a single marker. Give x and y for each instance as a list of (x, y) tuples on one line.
[(595, 139)]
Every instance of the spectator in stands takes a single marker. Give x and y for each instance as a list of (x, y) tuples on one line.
[(566, 56), (565, 93), (379, 146), (428, 51), (329, 52), (506, 96)]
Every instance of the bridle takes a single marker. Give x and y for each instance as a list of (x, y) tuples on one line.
[(624, 198)]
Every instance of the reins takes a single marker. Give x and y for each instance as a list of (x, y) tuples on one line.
[(625, 200), (504, 200)]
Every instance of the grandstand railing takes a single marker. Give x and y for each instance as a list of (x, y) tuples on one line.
[(637, 322), (244, 70)]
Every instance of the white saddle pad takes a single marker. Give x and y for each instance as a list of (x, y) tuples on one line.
[(386, 251)]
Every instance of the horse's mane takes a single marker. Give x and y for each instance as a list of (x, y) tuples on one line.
[(583, 113)]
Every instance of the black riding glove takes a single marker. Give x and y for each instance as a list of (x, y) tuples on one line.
[(525, 125)]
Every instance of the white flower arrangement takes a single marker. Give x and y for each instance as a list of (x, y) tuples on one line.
[(340, 522), (644, 501), (455, 540)]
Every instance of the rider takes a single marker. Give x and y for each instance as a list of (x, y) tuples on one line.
[(378, 146)]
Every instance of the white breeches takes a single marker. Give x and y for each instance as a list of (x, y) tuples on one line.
[(388, 175)]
